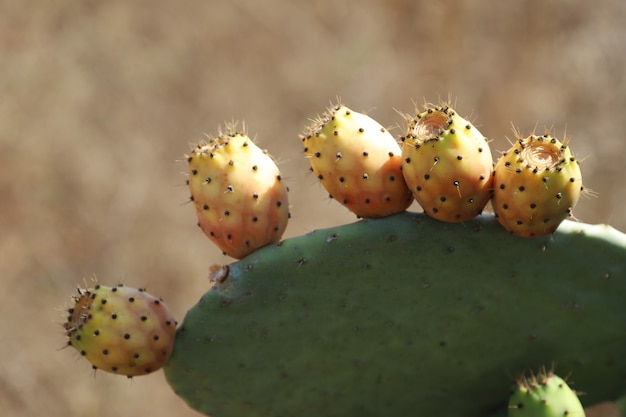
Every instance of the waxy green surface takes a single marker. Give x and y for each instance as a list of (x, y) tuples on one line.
[(406, 316)]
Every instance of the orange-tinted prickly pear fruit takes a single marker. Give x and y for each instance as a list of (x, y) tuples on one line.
[(240, 199), (358, 162), (537, 184), (447, 164)]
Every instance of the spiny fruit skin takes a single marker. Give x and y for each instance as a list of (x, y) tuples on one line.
[(537, 184), (358, 162), (240, 199), (544, 395), (121, 330), (447, 164)]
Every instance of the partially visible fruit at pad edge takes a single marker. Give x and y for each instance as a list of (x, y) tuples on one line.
[(121, 330), (544, 395)]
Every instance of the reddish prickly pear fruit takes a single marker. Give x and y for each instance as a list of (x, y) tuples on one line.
[(537, 184), (238, 193), (121, 330), (358, 162), (447, 164), (544, 395)]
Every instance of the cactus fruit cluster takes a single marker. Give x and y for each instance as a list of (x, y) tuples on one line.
[(398, 313), (238, 193), (544, 395), (121, 330)]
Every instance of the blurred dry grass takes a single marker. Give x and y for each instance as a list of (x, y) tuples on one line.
[(100, 99)]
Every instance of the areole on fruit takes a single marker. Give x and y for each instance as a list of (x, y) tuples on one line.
[(430, 125), (79, 312), (542, 153)]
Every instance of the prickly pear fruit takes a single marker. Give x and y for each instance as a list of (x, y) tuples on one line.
[(447, 164), (544, 395), (121, 330), (240, 199), (537, 183), (358, 162)]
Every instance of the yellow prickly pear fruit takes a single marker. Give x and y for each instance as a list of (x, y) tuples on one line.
[(447, 164), (358, 162), (121, 330), (240, 199), (537, 184)]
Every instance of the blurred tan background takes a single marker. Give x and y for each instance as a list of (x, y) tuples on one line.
[(99, 101)]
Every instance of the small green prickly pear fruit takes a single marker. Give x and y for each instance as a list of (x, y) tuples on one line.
[(121, 330), (544, 395), (358, 162), (447, 164), (240, 199), (537, 183)]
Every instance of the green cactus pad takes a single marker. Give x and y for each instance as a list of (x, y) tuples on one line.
[(405, 316)]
